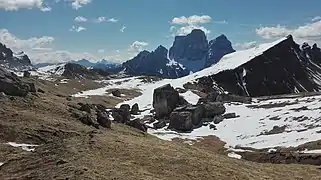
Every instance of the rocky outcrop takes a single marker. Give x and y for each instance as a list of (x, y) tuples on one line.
[(14, 61), (190, 50), (165, 100), (196, 53), (12, 85), (281, 69), (154, 63), (218, 47)]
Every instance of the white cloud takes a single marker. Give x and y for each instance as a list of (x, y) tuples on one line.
[(80, 19), (113, 20), (14, 5), (41, 50), (76, 4), (137, 46), (246, 45), (192, 20), (104, 19), (316, 18), (189, 23), (77, 29), (221, 22), (310, 32), (123, 29), (273, 32)]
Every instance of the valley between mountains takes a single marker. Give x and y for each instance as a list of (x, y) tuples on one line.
[(250, 114)]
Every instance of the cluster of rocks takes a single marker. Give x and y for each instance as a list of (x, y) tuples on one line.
[(12, 85), (170, 107), (97, 115), (124, 115)]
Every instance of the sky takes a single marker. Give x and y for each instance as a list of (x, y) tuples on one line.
[(63, 30)]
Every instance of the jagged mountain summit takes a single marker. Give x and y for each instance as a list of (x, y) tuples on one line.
[(154, 63), (14, 61), (195, 52), (190, 53), (282, 67)]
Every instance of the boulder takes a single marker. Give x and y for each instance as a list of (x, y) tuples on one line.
[(100, 108), (26, 74), (212, 126), (135, 109), (159, 124), (165, 100), (87, 119), (182, 101), (103, 120), (11, 85), (229, 115), (120, 115), (213, 109), (181, 121), (126, 107), (85, 107), (218, 119), (136, 123), (197, 111), (116, 93)]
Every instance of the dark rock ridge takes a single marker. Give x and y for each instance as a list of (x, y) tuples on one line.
[(14, 61), (154, 63), (80, 72), (12, 85), (282, 69), (195, 52)]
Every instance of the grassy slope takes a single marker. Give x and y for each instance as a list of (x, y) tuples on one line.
[(72, 150)]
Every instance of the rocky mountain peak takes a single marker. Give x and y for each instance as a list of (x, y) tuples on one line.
[(218, 47), (190, 50), (162, 51), (14, 61)]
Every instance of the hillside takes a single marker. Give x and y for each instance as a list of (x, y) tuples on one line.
[(68, 149)]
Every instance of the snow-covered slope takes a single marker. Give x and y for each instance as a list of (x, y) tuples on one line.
[(253, 127), (57, 69)]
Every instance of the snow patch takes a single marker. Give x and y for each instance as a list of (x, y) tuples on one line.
[(25, 147), (316, 151), (234, 155)]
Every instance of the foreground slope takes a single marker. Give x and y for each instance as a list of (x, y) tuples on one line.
[(67, 149)]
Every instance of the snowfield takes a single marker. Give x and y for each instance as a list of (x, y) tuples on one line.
[(295, 123)]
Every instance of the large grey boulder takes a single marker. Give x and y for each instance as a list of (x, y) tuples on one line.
[(103, 120), (197, 112), (165, 100), (213, 109), (181, 121)]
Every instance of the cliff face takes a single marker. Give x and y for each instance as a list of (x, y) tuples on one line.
[(283, 68), (15, 61)]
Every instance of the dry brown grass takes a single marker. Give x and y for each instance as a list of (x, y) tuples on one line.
[(71, 150)]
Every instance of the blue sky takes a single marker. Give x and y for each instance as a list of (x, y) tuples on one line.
[(48, 30)]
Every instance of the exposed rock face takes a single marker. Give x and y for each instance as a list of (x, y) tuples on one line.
[(165, 100), (218, 47), (154, 64), (213, 109), (197, 112), (15, 61), (10, 84), (80, 72), (116, 93), (190, 50), (103, 120), (282, 69), (135, 109), (181, 121)]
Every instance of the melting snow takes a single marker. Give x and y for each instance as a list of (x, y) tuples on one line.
[(234, 155), (1, 163), (25, 147), (316, 151)]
